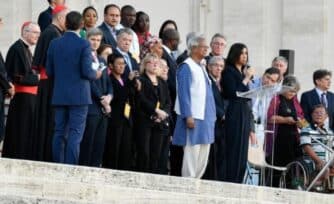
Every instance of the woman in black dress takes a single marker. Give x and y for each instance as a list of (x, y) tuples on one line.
[(235, 78)]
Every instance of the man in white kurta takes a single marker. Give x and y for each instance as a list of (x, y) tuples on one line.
[(196, 111)]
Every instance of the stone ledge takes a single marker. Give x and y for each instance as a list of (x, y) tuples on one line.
[(96, 184)]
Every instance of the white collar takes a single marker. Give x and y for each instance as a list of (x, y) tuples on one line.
[(74, 31), (167, 49), (319, 92)]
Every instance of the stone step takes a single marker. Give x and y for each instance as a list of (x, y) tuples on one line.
[(84, 184)]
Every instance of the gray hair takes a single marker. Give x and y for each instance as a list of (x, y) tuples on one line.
[(93, 32), (189, 36), (194, 41), (280, 58), (215, 59), (127, 31), (292, 82), (217, 35)]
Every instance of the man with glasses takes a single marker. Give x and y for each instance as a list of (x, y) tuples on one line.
[(196, 110), (215, 168), (217, 45), (319, 95), (21, 112)]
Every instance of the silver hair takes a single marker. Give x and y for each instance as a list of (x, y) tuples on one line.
[(93, 32), (189, 36), (28, 28), (124, 31), (280, 58), (292, 82), (217, 35), (194, 41), (215, 59)]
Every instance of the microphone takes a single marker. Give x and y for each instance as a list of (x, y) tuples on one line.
[(247, 66)]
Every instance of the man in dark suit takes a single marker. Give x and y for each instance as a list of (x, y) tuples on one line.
[(5, 88), (69, 62), (170, 41), (319, 95), (215, 168), (111, 24), (45, 17), (124, 40)]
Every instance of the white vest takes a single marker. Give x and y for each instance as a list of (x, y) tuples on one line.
[(197, 90)]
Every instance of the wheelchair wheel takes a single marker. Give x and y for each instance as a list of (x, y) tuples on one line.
[(297, 176)]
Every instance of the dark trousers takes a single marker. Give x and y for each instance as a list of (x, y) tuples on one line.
[(176, 158), (149, 142), (93, 141), (70, 122), (2, 115), (164, 156), (118, 148)]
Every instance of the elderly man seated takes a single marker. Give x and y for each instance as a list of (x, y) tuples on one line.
[(310, 147)]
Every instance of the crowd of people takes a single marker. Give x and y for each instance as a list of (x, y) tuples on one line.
[(117, 96)]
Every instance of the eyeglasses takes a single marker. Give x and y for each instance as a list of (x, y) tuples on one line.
[(34, 32), (219, 44), (217, 65), (203, 46)]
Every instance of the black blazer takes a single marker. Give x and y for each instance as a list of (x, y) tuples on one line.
[(171, 63), (45, 18), (122, 95), (99, 87), (147, 99), (311, 98), (181, 58), (220, 112), (108, 38), (4, 84), (134, 64)]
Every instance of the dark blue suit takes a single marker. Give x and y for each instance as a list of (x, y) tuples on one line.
[(69, 63), (108, 38), (92, 145), (311, 98), (45, 18), (216, 167)]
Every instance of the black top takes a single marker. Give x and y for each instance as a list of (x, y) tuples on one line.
[(18, 65), (50, 33), (4, 84), (45, 18)]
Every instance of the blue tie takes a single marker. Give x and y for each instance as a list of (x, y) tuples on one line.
[(324, 99), (128, 61)]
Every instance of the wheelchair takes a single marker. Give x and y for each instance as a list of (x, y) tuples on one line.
[(302, 174)]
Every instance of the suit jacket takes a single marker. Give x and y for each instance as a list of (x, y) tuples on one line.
[(108, 38), (122, 95), (147, 100), (4, 84), (182, 57), (45, 18), (18, 65), (171, 63), (311, 98), (134, 64), (99, 88), (69, 62), (220, 112)]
